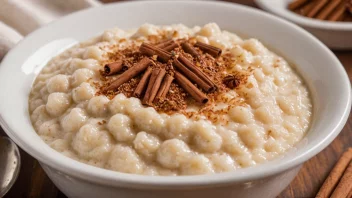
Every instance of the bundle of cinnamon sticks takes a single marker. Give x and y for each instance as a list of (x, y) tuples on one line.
[(331, 10), (339, 182), (157, 79)]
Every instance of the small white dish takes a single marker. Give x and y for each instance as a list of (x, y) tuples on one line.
[(336, 35), (323, 73)]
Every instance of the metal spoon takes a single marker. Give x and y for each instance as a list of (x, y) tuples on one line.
[(10, 163)]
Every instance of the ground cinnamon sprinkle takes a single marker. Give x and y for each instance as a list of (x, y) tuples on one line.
[(177, 99)]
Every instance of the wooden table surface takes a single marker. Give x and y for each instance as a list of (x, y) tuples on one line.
[(33, 182)]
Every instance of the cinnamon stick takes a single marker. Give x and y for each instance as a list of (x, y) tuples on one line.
[(331, 181), (130, 73), (187, 47), (345, 184), (167, 45), (142, 83), (214, 51), (151, 50), (192, 76), (164, 88), (113, 68), (305, 9), (190, 88), (323, 14), (296, 4), (318, 5), (338, 12), (153, 86), (198, 72)]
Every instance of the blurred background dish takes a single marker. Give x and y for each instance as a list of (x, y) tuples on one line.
[(336, 35)]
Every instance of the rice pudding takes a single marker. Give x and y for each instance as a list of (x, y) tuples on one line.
[(170, 100)]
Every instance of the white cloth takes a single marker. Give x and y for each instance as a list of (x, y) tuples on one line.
[(20, 17)]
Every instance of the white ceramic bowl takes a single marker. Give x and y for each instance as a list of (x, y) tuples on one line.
[(326, 78), (336, 35)]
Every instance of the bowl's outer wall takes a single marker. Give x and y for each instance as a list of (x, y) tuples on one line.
[(268, 187)]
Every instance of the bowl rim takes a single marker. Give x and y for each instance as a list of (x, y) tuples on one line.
[(304, 21), (111, 178)]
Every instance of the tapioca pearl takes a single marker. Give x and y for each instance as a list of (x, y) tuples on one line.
[(47, 139), (259, 155), (58, 103), (197, 165), (237, 51), (81, 75), (254, 46), (172, 153), (259, 75), (50, 128), (131, 105), (286, 105), (58, 83), (245, 161), (146, 145), (231, 142), (119, 126), (38, 85), (93, 52), (275, 146), (253, 96), (91, 143), (118, 104), (148, 120), (39, 116), (222, 162), (167, 172), (265, 63), (251, 82), (98, 105), (218, 42), (113, 35), (74, 120), (33, 104), (265, 114), (151, 171), (44, 93), (91, 64), (233, 38), (252, 136), (125, 159), (245, 59), (60, 145), (241, 114), (177, 127), (209, 30), (205, 137), (83, 92), (277, 132), (96, 163), (202, 39), (146, 30), (279, 79)]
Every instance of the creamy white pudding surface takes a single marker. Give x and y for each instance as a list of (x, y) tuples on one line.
[(266, 113)]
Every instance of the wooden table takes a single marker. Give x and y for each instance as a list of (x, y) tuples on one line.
[(33, 182)]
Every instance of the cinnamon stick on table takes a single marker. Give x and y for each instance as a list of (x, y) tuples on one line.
[(164, 88), (151, 50), (190, 88), (153, 85), (142, 83), (331, 181), (130, 73), (214, 51), (113, 68), (345, 184)]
